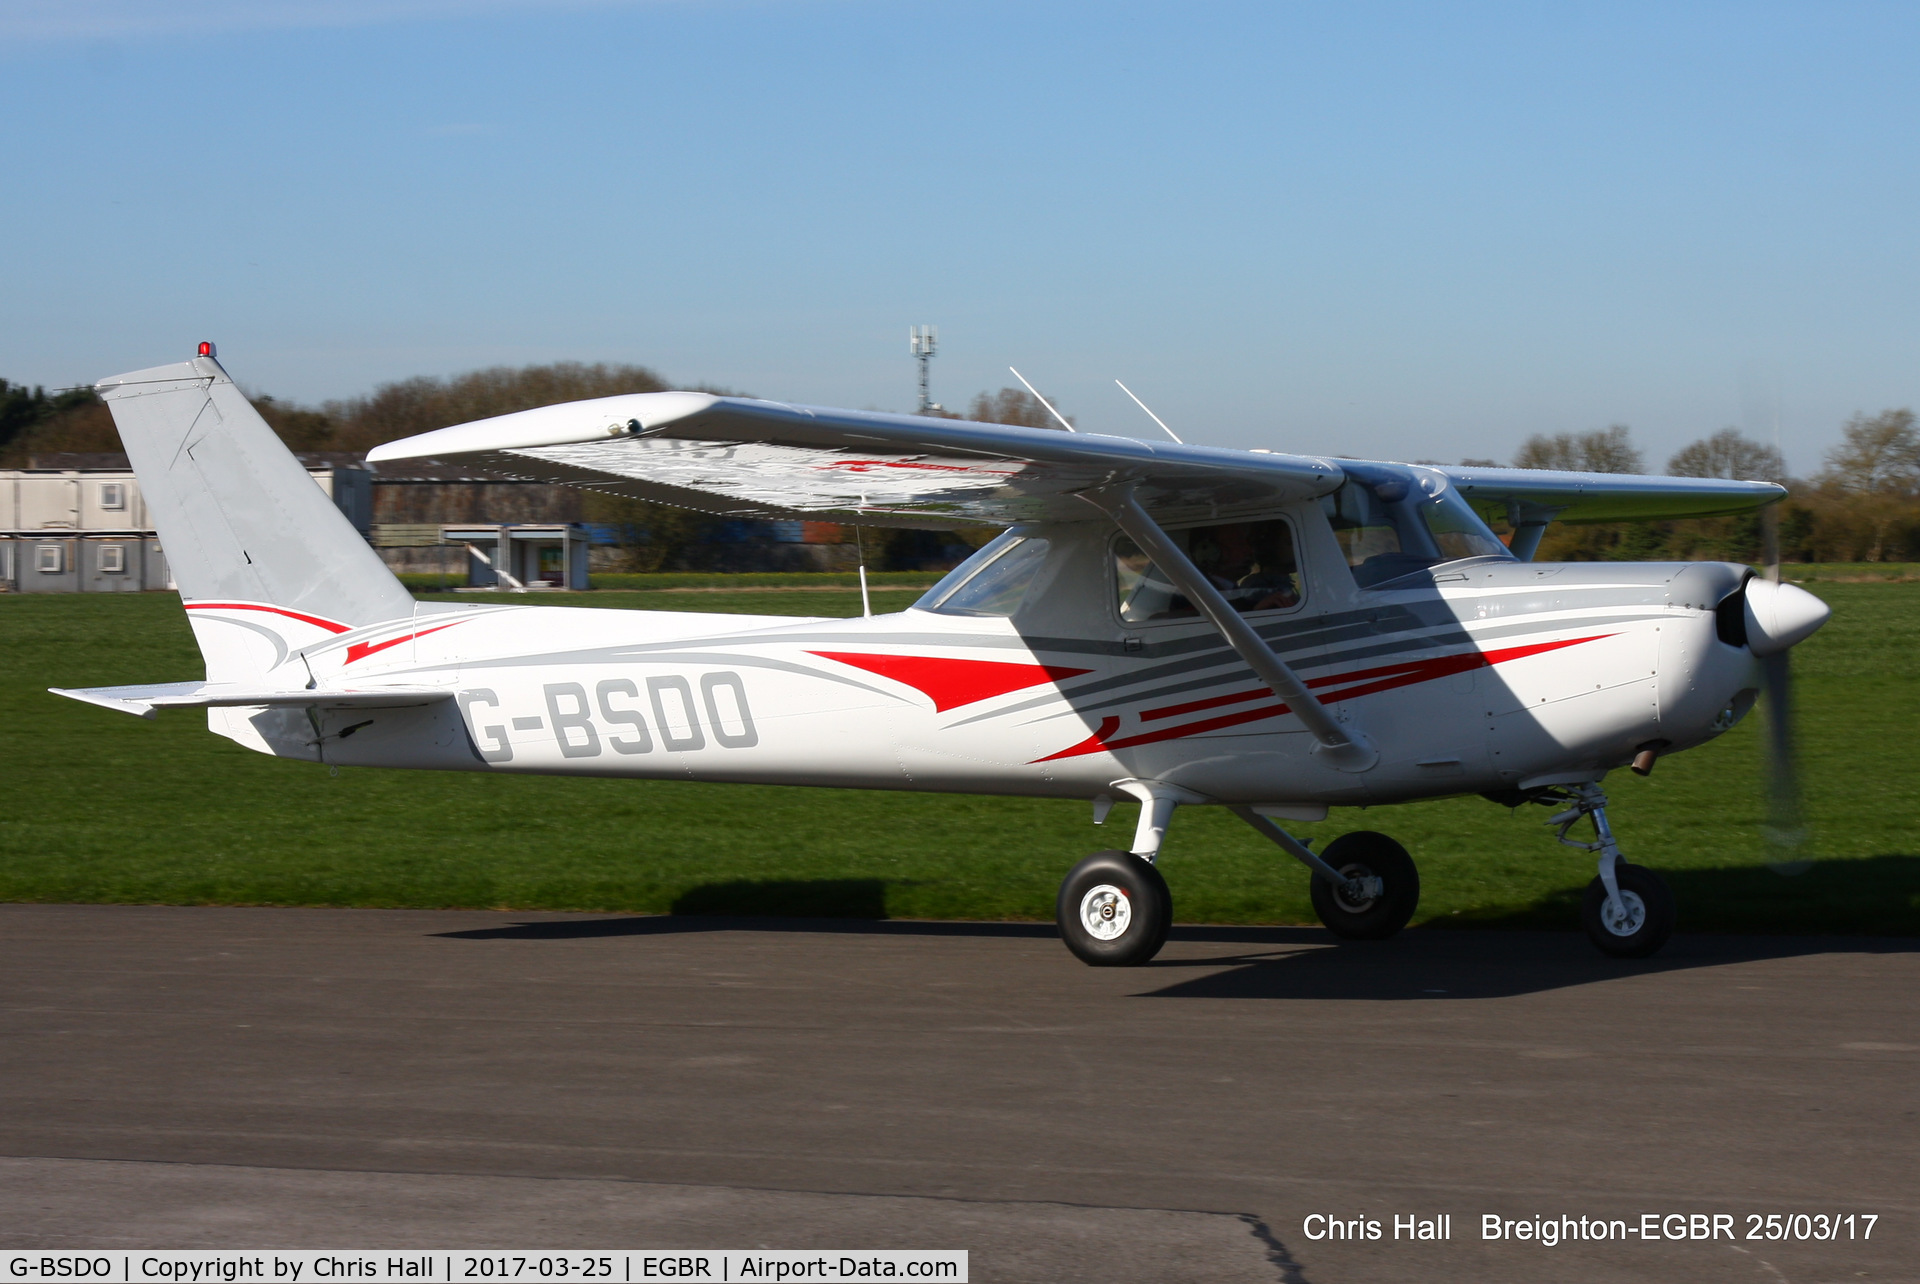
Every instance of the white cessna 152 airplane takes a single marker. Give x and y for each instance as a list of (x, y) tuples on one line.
[(1174, 624)]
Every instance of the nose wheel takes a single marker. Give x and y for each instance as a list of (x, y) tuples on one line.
[(1635, 925), (1114, 910), (1627, 911)]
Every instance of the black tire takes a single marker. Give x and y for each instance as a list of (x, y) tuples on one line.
[(1114, 886), (1654, 913), (1365, 854)]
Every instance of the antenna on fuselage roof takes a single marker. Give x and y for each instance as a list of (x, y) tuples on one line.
[(1043, 401), (1156, 418)]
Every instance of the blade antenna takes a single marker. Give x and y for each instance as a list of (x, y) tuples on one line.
[(1043, 401), (860, 547), (1156, 418)]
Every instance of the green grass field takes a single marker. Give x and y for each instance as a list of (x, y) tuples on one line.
[(103, 807)]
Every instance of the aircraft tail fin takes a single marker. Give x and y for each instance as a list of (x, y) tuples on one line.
[(239, 517), (242, 523)]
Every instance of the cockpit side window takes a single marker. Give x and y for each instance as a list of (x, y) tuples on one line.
[(1251, 563), (1391, 522)]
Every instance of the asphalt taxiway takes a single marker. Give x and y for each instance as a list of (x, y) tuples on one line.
[(189, 1077)]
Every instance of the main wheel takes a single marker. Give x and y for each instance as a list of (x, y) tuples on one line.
[(1114, 910), (1371, 915), (1647, 922)]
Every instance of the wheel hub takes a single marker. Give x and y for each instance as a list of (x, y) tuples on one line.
[(1628, 917), (1106, 912), (1360, 890)]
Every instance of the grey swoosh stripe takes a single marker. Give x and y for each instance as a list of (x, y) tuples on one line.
[(616, 655), (1399, 645)]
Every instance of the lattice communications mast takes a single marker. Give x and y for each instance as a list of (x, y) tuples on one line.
[(921, 340)]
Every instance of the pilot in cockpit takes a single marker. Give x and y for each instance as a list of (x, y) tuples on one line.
[(1251, 563)]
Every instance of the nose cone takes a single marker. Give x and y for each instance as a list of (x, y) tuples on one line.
[(1781, 615)]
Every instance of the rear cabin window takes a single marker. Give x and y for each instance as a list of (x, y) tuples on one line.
[(1251, 563)]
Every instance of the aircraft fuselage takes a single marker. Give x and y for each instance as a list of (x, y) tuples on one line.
[(1486, 675)]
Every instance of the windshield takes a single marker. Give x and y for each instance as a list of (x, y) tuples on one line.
[(1391, 522), (993, 581)]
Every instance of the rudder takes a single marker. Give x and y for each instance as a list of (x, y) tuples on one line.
[(240, 519), (238, 515)]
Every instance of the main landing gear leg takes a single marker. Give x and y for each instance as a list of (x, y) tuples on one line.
[(1627, 910), (1114, 909), (1365, 888)]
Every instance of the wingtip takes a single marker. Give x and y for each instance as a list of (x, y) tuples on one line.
[(565, 424)]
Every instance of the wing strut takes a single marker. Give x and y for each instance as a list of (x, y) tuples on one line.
[(1529, 522), (1291, 846), (1345, 746)]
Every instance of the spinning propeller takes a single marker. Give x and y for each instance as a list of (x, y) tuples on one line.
[(1776, 616)]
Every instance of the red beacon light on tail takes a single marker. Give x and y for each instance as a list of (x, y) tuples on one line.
[(206, 348)]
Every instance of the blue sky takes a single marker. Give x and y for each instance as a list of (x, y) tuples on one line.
[(1374, 229)]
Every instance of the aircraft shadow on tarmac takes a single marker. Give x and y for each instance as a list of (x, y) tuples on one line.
[(1252, 962), (1874, 894), (1437, 965), (836, 905)]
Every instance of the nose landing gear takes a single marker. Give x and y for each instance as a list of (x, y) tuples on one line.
[(1627, 910)]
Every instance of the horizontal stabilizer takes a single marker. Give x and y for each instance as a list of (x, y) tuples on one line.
[(143, 700)]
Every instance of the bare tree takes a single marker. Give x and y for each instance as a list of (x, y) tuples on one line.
[(1729, 453), (1872, 479), (1605, 450), (298, 427), (1880, 456), (1012, 406), (420, 405)]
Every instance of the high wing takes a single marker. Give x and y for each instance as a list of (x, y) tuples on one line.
[(738, 457), (745, 458), (1522, 495)]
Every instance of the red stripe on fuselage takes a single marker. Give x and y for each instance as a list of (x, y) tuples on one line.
[(952, 683), (361, 650), (331, 626), (1358, 683)]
